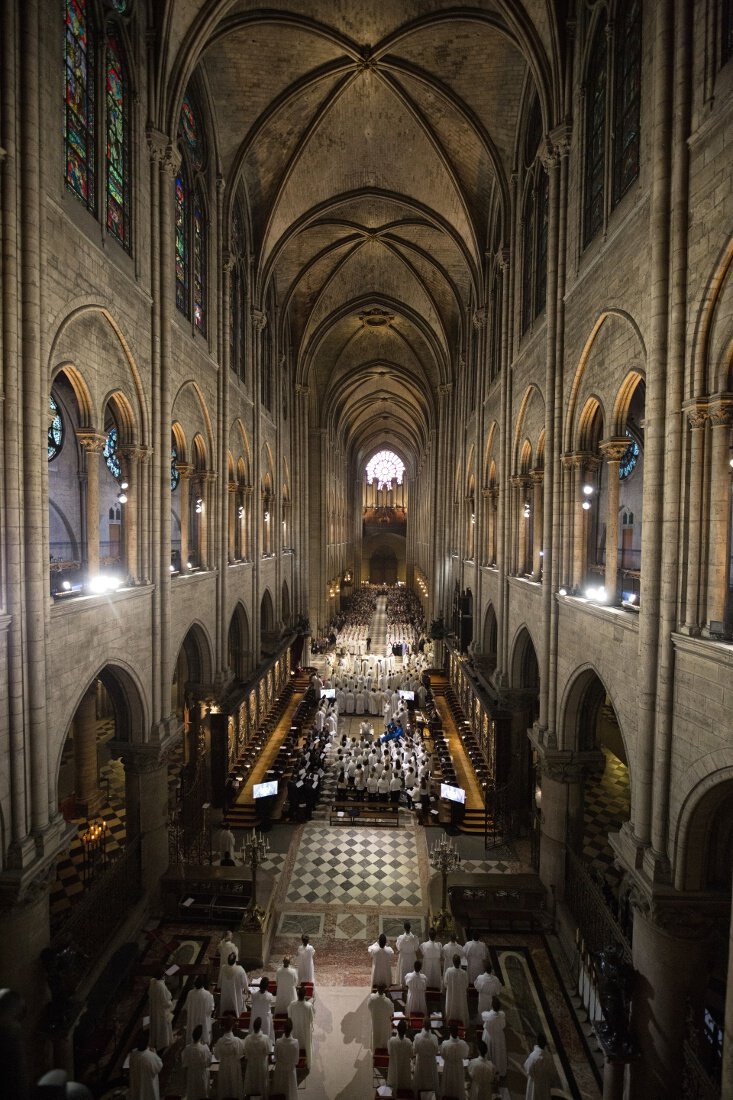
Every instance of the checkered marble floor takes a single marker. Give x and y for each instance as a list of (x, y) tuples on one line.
[(607, 803), (356, 867)]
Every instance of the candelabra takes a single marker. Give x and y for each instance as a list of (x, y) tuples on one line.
[(255, 849), (444, 858), (94, 848)]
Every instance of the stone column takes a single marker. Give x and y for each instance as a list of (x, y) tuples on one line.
[(580, 525), (184, 490), (568, 480), (146, 802), (561, 808), (232, 520), (87, 794), (248, 494), (670, 955), (697, 418), (537, 477), (92, 444), (721, 419), (613, 450), (132, 458)]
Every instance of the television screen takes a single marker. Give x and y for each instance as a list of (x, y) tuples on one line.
[(265, 790), (453, 794), (408, 696), (328, 693)]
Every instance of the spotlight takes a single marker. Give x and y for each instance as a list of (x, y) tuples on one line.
[(590, 593), (199, 505), (122, 497), (586, 505), (189, 565), (172, 568), (562, 592), (124, 485), (588, 490), (66, 585)]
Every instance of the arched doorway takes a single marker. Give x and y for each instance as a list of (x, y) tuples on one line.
[(592, 725), (383, 567), (489, 640), (91, 786), (238, 639), (285, 605), (189, 690)]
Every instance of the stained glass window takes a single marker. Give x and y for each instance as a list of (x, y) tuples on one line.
[(175, 475), (595, 138), (182, 258), (627, 98), (110, 454), (199, 263), (385, 467), (79, 133), (117, 94), (629, 458), (55, 431), (190, 131)]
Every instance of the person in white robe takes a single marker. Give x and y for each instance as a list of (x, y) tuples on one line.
[(302, 1014), (399, 1047), (454, 1051), (229, 1049), (455, 983), (494, 1035), (417, 984), (285, 1074), (488, 986), (476, 953), (161, 1014), (196, 1059), (286, 977), (425, 1046), (540, 1070), (257, 1053), (224, 949), (432, 951), (145, 1065), (226, 842), (233, 983), (262, 1002), (482, 1074), (306, 970), (451, 948), (407, 944), (380, 1010), (199, 1010), (381, 962)]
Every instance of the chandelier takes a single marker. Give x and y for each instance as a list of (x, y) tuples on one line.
[(385, 467)]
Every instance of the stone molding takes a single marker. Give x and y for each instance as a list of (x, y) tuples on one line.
[(91, 441), (163, 151), (259, 318), (614, 448)]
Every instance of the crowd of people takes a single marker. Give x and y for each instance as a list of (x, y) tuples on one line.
[(265, 1036), (451, 976)]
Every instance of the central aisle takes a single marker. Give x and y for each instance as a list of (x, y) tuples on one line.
[(378, 627), (342, 1062)]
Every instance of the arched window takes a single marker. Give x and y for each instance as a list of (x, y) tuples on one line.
[(97, 128), (595, 136), (191, 220), (80, 87), (55, 431), (199, 263), (111, 456), (627, 97), (237, 304), (117, 103), (385, 467), (612, 115), (535, 216)]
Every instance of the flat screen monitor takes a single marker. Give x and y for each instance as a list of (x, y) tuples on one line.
[(452, 794), (265, 790), (328, 693), (408, 696)]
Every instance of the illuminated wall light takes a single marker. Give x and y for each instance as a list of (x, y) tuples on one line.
[(562, 592), (199, 505), (66, 586), (122, 498), (240, 512), (99, 585), (588, 490), (586, 505)]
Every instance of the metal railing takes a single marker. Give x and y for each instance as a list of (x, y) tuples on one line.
[(94, 918), (596, 930)]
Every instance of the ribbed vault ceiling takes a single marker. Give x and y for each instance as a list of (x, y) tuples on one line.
[(370, 140)]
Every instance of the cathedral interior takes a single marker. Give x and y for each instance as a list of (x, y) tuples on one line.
[(324, 301)]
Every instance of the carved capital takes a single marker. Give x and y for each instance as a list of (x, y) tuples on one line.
[(697, 414), (90, 440), (259, 318), (185, 470), (720, 410), (445, 389), (561, 137), (549, 156), (134, 452), (163, 151), (614, 448), (140, 759), (301, 391), (479, 317), (503, 258), (537, 476)]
